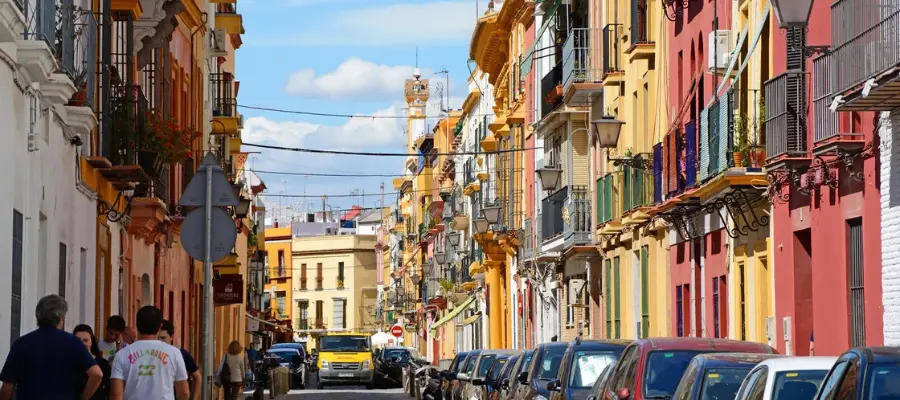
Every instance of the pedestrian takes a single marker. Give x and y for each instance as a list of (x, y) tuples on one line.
[(128, 337), (231, 371), (166, 334), (149, 369), (85, 333), (112, 337), (49, 363)]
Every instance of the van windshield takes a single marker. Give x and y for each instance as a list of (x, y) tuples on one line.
[(351, 344)]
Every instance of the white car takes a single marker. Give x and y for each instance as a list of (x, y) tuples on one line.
[(785, 378)]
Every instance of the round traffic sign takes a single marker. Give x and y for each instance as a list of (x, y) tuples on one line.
[(222, 236), (397, 330)]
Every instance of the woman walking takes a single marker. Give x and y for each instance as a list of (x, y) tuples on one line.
[(232, 371), (86, 334)]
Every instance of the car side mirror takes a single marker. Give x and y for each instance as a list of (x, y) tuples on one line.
[(523, 378), (478, 382), (463, 377), (553, 385), (591, 397), (624, 394)]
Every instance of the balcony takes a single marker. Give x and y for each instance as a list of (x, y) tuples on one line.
[(302, 324), (225, 117), (124, 124), (786, 138), (642, 45), (577, 225), (582, 72), (229, 19), (865, 37), (38, 54), (680, 159), (551, 91), (552, 214), (827, 135), (613, 74)]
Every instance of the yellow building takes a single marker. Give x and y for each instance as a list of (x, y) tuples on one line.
[(280, 286), (334, 284)]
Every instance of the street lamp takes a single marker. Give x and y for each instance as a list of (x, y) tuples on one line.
[(491, 213), (608, 129), (481, 225), (549, 177), (792, 13), (453, 237), (440, 258), (242, 209)]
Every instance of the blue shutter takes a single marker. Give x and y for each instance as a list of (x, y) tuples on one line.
[(704, 141), (690, 141), (726, 140), (657, 173)]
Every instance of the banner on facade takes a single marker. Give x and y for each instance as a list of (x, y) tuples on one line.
[(229, 289)]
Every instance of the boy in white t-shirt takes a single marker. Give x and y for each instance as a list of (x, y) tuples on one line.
[(149, 369)]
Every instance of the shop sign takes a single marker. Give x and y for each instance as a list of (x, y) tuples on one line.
[(229, 289)]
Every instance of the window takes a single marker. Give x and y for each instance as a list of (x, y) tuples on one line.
[(340, 277), (63, 268), (857, 283), (280, 298), (679, 311), (320, 310), (304, 314), (609, 299), (340, 311), (618, 289), (831, 383), (723, 306), (743, 303), (319, 276), (15, 322), (280, 263), (303, 276), (847, 388), (645, 291), (715, 301)]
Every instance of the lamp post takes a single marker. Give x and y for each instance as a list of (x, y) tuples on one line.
[(440, 258), (491, 213), (792, 13), (549, 177), (481, 225), (242, 209), (453, 238), (608, 129)]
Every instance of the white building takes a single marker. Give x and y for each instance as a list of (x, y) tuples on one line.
[(48, 214)]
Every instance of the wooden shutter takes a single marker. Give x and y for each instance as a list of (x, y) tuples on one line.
[(609, 299), (645, 291), (618, 290)]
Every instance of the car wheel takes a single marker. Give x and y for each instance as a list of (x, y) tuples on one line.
[(320, 386)]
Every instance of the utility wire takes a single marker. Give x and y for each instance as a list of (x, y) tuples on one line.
[(343, 115), (319, 196), (386, 154), (350, 175)]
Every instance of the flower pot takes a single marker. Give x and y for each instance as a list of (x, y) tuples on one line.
[(79, 99), (738, 159)]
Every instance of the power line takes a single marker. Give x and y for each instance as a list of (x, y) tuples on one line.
[(346, 175), (319, 196), (386, 154), (342, 115)]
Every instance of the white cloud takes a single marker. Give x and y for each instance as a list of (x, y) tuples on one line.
[(424, 22), (355, 79)]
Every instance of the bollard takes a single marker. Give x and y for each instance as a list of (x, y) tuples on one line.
[(281, 381)]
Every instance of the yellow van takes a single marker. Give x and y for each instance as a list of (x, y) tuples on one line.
[(345, 359)]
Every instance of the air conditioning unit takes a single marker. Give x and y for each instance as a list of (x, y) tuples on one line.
[(719, 50), (217, 43)]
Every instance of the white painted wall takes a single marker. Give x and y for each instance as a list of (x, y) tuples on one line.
[(890, 228)]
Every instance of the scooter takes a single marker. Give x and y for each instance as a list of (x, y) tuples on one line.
[(430, 379)]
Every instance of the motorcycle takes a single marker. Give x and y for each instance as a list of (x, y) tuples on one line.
[(261, 371), (429, 378), (312, 362)]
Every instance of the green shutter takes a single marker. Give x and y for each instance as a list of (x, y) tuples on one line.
[(645, 292), (618, 289), (608, 298)]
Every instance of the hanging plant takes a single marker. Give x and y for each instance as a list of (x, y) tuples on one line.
[(166, 139)]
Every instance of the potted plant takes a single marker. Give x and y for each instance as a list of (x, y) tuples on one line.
[(758, 151), (742, 140), (79, 98), (164, 142)]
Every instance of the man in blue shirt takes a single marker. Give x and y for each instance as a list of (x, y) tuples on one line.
[(166, 335), (49, 363)]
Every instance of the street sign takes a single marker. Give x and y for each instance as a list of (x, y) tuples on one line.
[(222, 235), (195, 192), (397, 330)]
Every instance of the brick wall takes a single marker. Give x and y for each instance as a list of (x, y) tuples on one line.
[(890, 228)]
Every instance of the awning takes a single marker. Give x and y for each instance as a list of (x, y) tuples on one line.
[(528, 59), (452, 314), (473, 319), (757, 34)]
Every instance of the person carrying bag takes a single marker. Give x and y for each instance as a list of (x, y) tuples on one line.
[(231, 372)]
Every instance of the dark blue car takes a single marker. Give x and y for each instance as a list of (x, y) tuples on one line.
[(717, 376), (581, 365), (863, 373)]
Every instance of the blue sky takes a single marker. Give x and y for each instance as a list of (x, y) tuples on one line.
[(342, 56)]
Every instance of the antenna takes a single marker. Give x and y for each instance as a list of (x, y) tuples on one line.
[(416, 73)]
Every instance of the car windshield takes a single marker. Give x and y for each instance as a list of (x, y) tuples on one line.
[(883, 381), (470, 363), (285, 355), (722, 383), (496, 368), (353, 344), (402, 355), (549, 367), (484, 364), (664, 370), (797, 385), (587, 367)]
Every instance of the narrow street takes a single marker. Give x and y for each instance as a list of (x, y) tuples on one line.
[(350, 392)]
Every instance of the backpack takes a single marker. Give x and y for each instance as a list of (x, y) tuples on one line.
[(224, 371)]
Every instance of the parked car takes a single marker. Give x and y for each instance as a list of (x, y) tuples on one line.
[(544, 367), (602, 382), (652, 368), (293, 360), (303, 367), (468, 366), (582, 364), (471, 388), (794, 378), (491, 382), (501, 382), (863, 373), (391, 363), (717, 376), (511, 385), (449, 376)]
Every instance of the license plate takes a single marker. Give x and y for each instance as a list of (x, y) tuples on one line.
[(345, 375)]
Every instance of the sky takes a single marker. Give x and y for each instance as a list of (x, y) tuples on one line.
[(345, 57)]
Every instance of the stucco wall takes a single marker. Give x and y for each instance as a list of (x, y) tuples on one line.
[(890, 227)]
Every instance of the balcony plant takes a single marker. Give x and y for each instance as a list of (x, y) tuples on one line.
[(758, 151), (742, 141), (165, 141)]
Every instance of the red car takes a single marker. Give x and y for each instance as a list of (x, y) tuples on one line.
[(652, 368)]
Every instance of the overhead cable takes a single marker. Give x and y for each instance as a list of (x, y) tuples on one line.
[(386, 154)]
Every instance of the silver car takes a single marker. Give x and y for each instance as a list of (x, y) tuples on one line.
[(472, 382)]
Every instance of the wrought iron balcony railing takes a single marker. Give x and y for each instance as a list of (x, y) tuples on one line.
[(302, 323), (552, 214), (866, 40), (825, 122), (577, 227), (785, 123), (224, 102), (580, 61), (550, 84), (125, 123), (637, 189), (611, 35)]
